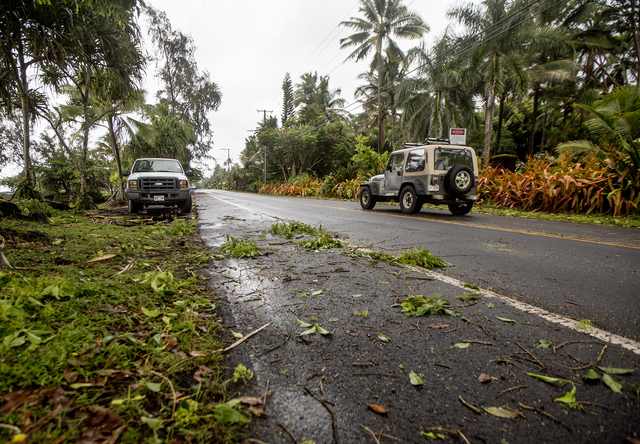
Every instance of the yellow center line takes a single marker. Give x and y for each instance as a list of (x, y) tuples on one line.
[(486, 227)]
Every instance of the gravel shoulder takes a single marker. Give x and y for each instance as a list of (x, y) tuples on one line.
[(325, 388)]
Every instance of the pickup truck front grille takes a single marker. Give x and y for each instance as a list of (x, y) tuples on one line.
[(157, 184)]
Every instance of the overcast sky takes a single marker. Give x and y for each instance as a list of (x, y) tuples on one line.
[(247, 46)]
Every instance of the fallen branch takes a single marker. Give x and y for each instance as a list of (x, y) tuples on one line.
[(288, 432), (603, 406), (510, 390), (380, 374), (240, 341), (542, 412), (331, 412), (584, 366), (531, 354), (475, 409), (277, 346), (457, 433)]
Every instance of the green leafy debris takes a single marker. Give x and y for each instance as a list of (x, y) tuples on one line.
[(240, 248), (611, 383), (510, 321), (433, 304), (616, 371), (544, 344), (548, 379), (415, 378), (383, 337), (421, 258)]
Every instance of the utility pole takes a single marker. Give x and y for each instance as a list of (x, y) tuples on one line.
[(264, 148), (228, 150)]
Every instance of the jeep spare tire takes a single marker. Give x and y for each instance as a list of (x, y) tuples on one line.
[(459, 180)]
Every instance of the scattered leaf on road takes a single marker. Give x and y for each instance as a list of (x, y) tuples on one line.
[(197, 354), (484, 378), (311, 331), (316, 293), (383, 338), (237, 335), (322, 331), (460, 345), (547, 378), (378, 409), (591, 375), (415, 378), (611, 383), (501, 412), (303, 324), (438, 326), (544, 344), (617, 371), (511, 321)]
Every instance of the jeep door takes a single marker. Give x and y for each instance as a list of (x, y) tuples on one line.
[(393, 174)]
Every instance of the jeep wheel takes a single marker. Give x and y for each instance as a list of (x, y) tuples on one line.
[(459, 180), (134, 207), (409, 201), (460, 209), (185, 206), (367, 200)]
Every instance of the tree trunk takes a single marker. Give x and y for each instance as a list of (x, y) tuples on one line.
[(534, 117), (116, 154), (500, 118), (26, 111), (635, 8), (488, 125), (380, 113), (85, 142)]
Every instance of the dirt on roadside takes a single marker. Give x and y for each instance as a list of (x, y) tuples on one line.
[(379, 375)]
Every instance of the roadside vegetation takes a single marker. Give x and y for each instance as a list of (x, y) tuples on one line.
[(109, 332)]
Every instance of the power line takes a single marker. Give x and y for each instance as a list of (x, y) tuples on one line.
[(470, 41)]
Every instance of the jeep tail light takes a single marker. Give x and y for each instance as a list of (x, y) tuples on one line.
[(434, 181)]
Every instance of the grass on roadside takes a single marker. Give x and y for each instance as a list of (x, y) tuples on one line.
[(106, 333)]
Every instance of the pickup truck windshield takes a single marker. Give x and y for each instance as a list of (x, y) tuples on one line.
[(446, 158), (157, 166)]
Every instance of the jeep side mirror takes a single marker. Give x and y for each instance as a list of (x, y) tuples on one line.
[(125, 173), (189, 173)]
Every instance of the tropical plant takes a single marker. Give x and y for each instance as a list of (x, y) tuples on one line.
[(383, 19), (614, 126)]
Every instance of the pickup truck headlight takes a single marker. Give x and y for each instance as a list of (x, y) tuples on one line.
[(184, 184), (133, 184)]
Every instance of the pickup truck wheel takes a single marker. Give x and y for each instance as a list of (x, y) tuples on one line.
[(460, 209), (408, 200), (459, 180), (185, 206), (367, 200), (134, 207)]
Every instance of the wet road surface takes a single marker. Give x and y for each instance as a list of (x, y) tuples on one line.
[(322, 387), (576, 270)]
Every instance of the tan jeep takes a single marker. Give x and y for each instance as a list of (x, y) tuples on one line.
[(430, 172)]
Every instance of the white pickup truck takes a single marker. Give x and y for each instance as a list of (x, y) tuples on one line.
[(154, 181)]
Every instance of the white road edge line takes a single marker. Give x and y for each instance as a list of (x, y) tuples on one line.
[(605, 336)]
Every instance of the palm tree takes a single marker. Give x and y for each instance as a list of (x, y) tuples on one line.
[(383, 19), (442, 97), (34, 39), (614, 127), (392, 72), (498, 57)]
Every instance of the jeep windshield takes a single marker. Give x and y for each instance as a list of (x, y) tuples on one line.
[(446, 158), (157, 166)]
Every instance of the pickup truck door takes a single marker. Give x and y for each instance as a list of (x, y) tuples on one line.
[(393, 174)]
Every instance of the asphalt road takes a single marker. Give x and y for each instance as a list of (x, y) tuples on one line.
[(576, 270), (329, 385)]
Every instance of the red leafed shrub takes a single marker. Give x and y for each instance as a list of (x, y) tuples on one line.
[(563, 185)]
